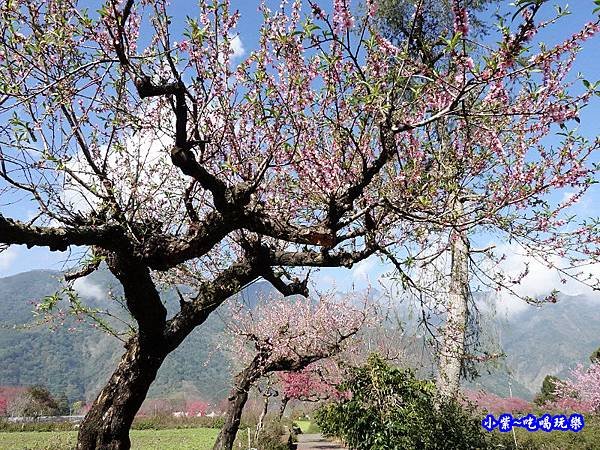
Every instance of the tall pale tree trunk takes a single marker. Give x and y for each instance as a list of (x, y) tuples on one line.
[(453, 336), (261, 420), (106, 425)]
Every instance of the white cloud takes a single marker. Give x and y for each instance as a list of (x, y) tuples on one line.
[(143, 169), (238, 47), (7, 257), (363, 270), (540, 280), (538, 283), (86, 288)]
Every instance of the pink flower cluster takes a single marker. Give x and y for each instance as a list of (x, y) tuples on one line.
[(292, 330), (492, 403), (307, 384), (461, 18), (342, 18), (196, 408)]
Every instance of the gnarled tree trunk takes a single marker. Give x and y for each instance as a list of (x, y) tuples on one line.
[(237, 401), (106, 425)]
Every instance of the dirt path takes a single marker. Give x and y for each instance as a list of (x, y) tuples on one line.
[(316, 442)]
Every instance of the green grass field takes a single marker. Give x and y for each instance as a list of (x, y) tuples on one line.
[(303, 424), (182, 439), (307, 426), (203, 439)]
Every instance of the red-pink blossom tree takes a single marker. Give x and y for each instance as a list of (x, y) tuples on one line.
[(196, 408), (285, 335), (8, 395), (316, 382), (309, 384), (174, 165), (486, 401)]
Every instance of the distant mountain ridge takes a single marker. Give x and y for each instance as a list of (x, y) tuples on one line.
[(78, 363), (550, 340)]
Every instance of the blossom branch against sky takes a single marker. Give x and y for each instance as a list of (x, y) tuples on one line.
[(247, 38)]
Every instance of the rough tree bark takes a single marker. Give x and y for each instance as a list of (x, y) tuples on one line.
[(237, 400), (453, 336), (284, 402), (106, 425)]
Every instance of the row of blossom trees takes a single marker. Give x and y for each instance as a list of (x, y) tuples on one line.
[(173, 164)]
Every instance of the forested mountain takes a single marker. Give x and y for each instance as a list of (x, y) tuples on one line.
[(549, 340), (78, 362)]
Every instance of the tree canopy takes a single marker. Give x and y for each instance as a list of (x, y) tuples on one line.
[(174, 164)]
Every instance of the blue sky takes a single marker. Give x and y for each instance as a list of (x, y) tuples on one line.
[(17, 258)]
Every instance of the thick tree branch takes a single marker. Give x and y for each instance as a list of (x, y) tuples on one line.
[(164, 252), (319, 259), (229, 282), (110, 237), (261, 223), (296, 287), (83, 271), (142, 298)]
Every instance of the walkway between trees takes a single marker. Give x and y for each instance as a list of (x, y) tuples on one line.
[(316, 442)]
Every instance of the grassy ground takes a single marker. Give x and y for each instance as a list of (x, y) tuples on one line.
[(307, 426), (183, 439), (203, 439)]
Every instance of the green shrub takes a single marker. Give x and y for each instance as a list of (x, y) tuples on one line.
[(389, 408), (167, 421), (9, 427), (274, 436)]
